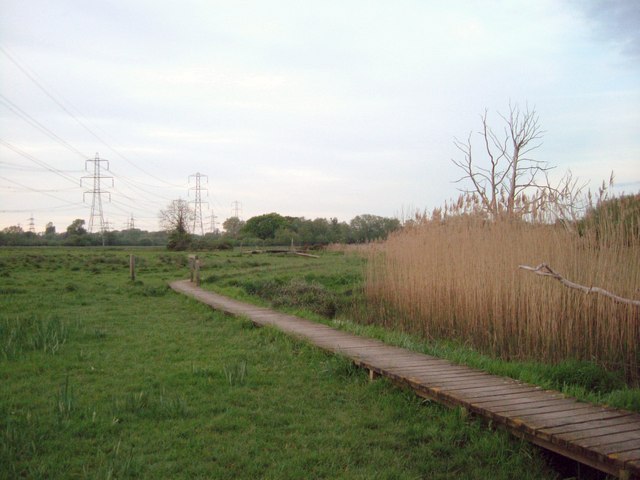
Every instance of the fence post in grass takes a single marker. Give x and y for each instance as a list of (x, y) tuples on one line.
[(197, 262), (132, 267), (192, 267)]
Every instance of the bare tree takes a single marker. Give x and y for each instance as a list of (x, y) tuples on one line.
[(508, 173), (177, 217)]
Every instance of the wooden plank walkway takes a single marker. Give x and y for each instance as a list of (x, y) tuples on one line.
[(604, 438)]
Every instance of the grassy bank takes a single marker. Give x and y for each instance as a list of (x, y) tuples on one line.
[(107, 378)]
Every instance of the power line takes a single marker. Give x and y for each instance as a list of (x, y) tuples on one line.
[(38, 84), (43, 192), (36, 124), (39, 162)]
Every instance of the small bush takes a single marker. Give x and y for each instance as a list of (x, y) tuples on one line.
[(296, 293), (309, 296), (586, 374)]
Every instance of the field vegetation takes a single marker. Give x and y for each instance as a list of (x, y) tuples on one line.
[(104, 377), (457, 277), (330, 289)]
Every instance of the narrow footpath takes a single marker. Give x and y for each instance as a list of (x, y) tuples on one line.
[(604, 438)]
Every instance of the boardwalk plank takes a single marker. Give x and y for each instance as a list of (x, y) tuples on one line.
[(632, 436), (590, 425), (601, 431), (551, 406), (523, 402), (499, 399), (537, 422)]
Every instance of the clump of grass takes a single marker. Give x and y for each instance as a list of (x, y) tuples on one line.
[(150, 290), (342, 367), (115, 462), (309, 296), (293, 293), (236, 373), (587, 375), (22, 333), (149, 405), (99, 334), (65, 402), (201, 371), (18, 440), (12, 291), (458, 278)]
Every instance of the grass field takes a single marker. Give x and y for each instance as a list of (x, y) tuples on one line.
[(103, 377)]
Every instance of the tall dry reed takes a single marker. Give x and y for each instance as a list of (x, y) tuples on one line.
[(459, 278)]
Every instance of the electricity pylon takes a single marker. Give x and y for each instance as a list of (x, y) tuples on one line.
[(197, 217), (96, 192), (237, 208)]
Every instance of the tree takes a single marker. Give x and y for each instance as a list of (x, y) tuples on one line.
[(50, 230), (13, 230), (264, 226), (76, 228), (232, 226), (508, 172), (365, 228), (175, 220), (176, 217)]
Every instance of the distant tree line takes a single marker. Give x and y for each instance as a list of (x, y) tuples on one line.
[(270, 229), (76, 235), (275, 229)]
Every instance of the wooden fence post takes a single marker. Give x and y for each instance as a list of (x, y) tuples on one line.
[(132, 267), (194, 269), (191, 267)]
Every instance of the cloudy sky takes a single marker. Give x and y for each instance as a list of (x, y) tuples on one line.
[(306, 108)]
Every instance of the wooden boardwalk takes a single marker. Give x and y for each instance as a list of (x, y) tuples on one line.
[(604, 438)]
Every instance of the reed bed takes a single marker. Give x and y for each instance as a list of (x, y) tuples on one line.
[(458, 278)]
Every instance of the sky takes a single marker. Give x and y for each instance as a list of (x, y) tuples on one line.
[(314, 109)]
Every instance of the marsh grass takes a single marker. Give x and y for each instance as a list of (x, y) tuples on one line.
[(31, 332), (459, 279)]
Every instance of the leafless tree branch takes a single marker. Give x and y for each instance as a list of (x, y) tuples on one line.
[(545, 270)]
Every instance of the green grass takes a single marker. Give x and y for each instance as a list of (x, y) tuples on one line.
[(149, 384), (328, 290)]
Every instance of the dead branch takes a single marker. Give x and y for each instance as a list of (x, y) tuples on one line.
[(545, 270)]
